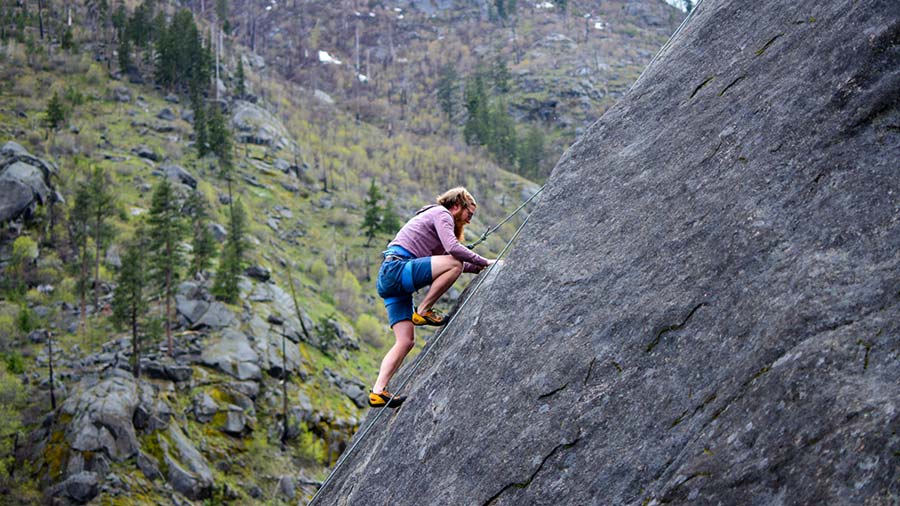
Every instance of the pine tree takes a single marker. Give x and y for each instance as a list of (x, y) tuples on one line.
[(232, 260), (390, 221), (79, 234), (502, 140), (372, 218), (475, 131), (241, 84), (500, 75), (219, 135), (531, 153), (688, 6), (129, 301), (203, 242), (201, 127), (102, 205), (55, 113), (165, 256), (125, 64), (447, 90)]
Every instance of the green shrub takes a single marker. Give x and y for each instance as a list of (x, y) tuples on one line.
[(370, 330), (318, 271), (27, 320), (14, 362)]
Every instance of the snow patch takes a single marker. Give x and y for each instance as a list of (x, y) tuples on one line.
[(544, 5), (326, 58)]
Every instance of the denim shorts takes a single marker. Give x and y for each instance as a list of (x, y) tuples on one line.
[(398, 280)]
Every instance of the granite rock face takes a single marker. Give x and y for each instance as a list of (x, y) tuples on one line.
[(705, 304)]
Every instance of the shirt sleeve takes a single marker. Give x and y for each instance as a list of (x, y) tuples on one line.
[(443, 223)]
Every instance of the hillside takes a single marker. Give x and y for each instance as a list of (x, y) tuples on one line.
[(304, 336), (562, 66), (718, 322)]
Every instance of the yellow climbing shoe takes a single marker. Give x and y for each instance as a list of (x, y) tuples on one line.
[(385, 398), (430, 317)]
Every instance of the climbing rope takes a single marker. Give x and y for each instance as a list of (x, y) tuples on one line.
[(432, 344), (495, 228), (666, 45)]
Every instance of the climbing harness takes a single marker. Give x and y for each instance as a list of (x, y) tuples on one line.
[(666, 45), (432, 343), (496, 227)]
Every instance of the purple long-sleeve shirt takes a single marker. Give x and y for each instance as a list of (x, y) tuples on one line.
[(430, 233)]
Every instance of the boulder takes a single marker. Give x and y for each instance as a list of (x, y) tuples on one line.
[(101, 418), (79, 488), (149, 466), (258, 273), (233, 355), (256, 125), (703, 307), (188, 471), (166, 371), (146, 153), (24, 182), (205, 407), (216, 316), (166, 114), (177, 174), (219, 232)]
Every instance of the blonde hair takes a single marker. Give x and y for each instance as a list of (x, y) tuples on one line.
[(457, 196), (461, 197)]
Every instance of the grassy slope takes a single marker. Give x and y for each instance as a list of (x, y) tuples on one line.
[(414, 168)]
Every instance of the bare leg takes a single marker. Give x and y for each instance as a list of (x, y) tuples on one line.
[(404, 336), (445, 270)]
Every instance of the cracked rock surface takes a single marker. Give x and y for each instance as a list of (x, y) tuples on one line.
[(705, 304)]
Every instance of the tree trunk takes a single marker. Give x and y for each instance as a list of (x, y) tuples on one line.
[(284, 378), (97, 262), (84, 275), (135, 347), (41, 17), (171, 351), (50, 357)]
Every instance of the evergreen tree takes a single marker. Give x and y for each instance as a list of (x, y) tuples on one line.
[(203, 242), (165, 256), (531, 152), (102, 204), (219, 138), (201, 132), (222, 14), (55, 113), (129, 301), (390, 222), (233, 254), (501, 134), (124, 50), (80, 234), (241, 84), (372, 218), (688, 6), (500, 75), (68, 40), (447, 90), (475, 130)]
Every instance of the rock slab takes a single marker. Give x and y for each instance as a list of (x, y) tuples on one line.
[(704, 305)]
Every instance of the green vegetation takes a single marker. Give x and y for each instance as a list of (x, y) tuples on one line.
[(166, 230), (130, 303)]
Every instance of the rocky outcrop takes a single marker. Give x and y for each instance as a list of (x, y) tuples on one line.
[(188, 471), (703, 307), (255, 125), (24, 182), (232, 354), (102, 418)]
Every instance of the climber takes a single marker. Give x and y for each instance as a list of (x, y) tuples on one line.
[(426, 251)]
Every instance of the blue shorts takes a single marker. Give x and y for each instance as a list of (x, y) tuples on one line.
[(398, 279)]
